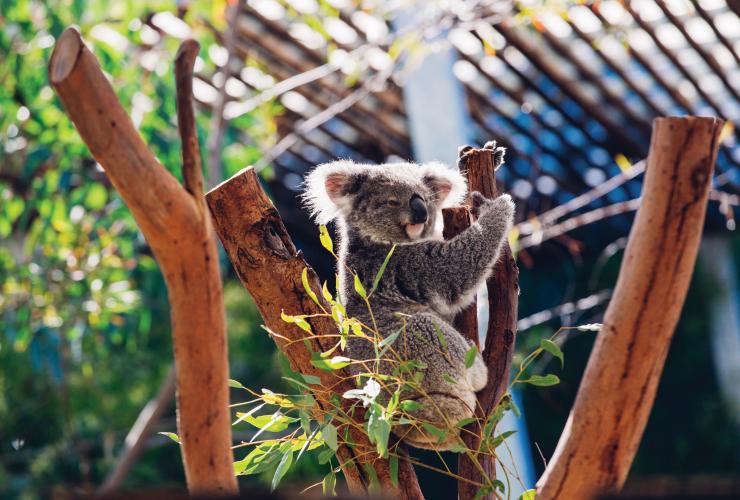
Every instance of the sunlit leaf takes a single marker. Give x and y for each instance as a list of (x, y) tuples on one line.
[(543, 380), (282, 468), (172, 436), (553, 348), (325, 238), (359, 288), (470, 356)]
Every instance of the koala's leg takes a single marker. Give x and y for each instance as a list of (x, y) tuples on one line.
[(448, 387)]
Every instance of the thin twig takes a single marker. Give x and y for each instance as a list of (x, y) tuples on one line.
[(583, 304), (141, 430)]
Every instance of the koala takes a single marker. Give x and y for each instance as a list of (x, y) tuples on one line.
[(427, 280)]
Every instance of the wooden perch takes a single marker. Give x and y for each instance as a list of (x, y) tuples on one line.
[(270, 268), (605, 426), (177, 226), (503, 301)]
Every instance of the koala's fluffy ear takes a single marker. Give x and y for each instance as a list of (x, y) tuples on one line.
[(449, 186), (329, 187)]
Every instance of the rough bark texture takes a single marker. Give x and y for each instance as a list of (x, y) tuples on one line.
[(616, 395), (270, 268), (176, 224), (503, 302)]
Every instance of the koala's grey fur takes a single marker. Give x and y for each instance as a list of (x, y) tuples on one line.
[(427, 279)]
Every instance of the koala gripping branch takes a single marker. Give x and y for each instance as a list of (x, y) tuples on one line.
[(175, 222), (613, 403), (270, 268)]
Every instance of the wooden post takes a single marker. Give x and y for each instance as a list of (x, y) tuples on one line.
[(503, 300), (177, 226), (270, 268), (605, 426)]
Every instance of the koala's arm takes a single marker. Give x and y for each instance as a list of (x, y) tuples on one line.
[(452, 270)]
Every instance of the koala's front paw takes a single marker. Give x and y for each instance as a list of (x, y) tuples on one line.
[(503, 205)]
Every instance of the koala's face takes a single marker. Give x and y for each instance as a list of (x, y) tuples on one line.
[(392, 211), (396, 203)]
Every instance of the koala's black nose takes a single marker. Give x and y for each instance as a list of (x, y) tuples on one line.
[(418, 210)]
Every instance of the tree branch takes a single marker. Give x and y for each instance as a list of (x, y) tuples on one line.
[(616, 395), (503, 300), (270, 267), (192, 172), (175, 224)]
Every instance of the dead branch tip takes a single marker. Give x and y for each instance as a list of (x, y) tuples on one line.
[(65, 54)]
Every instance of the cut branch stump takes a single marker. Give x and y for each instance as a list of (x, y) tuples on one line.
[(176, 225), (617, 391)]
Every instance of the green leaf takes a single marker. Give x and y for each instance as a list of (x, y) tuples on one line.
[(379, 275), (458, 447), (470, 356), (325, 238), (496, 442), (307, 287), (276, 422), (296, 320), (325, 456), (335, 363), (543, 381), (434, 431), (554, 349), (236, 384), (410, 405), (359, 288), (440, 336), (97, 197), (528, 495), (374, 488), (282, 468), (259, 459), (393, 466), (172, 436), (329, 483), (329, 433), (465, 421), (311, 379), (379, 429), (448, 378), (326, 293)]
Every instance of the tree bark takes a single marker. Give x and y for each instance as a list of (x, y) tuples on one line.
[(503, 301), (270, 267), (177, 226), (605, 426)]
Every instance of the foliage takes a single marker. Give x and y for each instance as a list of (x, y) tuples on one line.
[(385, 403), (85, 337)]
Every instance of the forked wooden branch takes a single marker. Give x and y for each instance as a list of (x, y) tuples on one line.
[(503, 301), (178, 228), (270, 268), (617, 391)]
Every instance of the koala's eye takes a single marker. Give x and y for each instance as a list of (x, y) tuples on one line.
[(392, 202)]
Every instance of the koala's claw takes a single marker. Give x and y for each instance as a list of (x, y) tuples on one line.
[(462, 150), (477, 200)]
